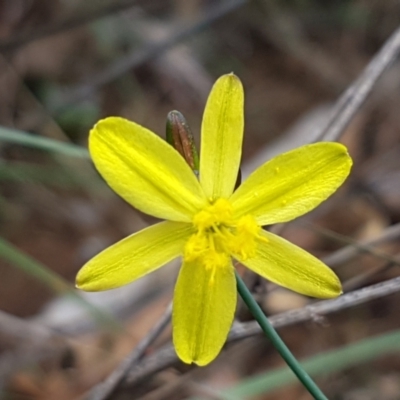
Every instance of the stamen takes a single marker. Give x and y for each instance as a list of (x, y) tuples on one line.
[(219, 235)]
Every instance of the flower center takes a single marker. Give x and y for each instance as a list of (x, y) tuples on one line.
[(218, 235)]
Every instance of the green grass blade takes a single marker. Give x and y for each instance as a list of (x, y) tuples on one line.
[(322, 364), (53, 281), (52, 176), (15, 136), (40, 174)]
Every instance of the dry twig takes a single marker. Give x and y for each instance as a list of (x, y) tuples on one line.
[(106, 388), (347, 253), (354, 97), (139, 57), (166, 356), (61, 26)]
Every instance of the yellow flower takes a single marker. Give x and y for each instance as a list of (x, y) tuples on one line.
[(208, 223)]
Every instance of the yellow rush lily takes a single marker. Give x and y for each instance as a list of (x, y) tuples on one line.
[(208, 223)]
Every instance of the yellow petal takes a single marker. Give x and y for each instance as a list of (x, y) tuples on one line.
[(292, 183), (134, 256), (203, 311), (145, 170), (290, 266), (221, 137)]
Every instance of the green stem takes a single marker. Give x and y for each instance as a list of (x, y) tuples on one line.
[(271, 333)]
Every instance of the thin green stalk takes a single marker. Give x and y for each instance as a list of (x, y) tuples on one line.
[(336, 360), (271, 333), (9, 135)]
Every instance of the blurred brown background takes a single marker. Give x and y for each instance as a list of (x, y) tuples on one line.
[(65, 64)]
